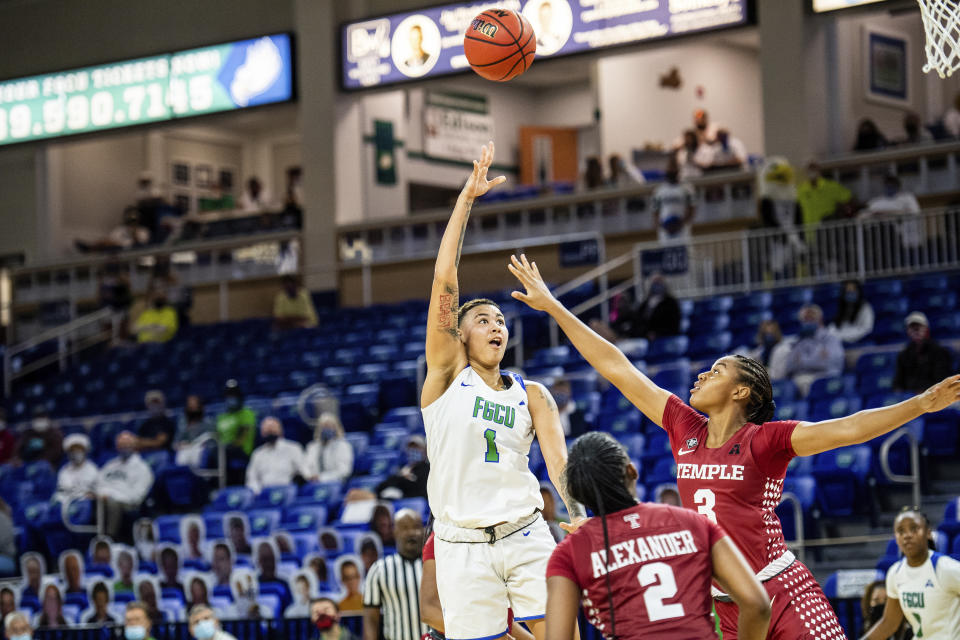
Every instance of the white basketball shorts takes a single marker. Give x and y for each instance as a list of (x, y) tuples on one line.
[(477, 581)]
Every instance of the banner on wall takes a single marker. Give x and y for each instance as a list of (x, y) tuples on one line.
[(429, 42), (455, 125)]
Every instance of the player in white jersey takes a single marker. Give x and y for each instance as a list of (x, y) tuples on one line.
[(923, 587), (491, 544)]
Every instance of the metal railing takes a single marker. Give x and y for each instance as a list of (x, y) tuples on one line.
[(98, 518), (914, 477), (71, 338), (799, 542)]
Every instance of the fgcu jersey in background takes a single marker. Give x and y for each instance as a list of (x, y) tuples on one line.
[(478, 441), (929, 595), (737, 485), (660, 571)]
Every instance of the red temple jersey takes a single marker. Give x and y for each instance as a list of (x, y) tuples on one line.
[(660, 571), (737, 485), (428, 549)]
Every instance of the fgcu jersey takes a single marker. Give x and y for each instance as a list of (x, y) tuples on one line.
[(478, 441), (737, 485), (929, 596), (660, 569)]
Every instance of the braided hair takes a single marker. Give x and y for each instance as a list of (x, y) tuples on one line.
[(594, 476), (760, 404)]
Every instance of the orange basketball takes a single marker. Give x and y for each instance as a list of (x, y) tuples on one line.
[(500, 44)]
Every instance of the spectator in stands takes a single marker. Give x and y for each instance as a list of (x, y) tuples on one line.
[(318, 565), (8, 441), (667, 494), (148, 592), (276, 461), (292, 306), (32, 567), (772, 349), (659, 313), (157, 323), (817, 353), (129, 235), (705, 130), (100, 600), (869, 137), (894, 201), (204, 625), (820, 197), (293, 198), (549, 512), (854, 320), (913, 130), (102, 553), (951, 118), (872, 603), (245, 592), (78, 478), (8, 602), (51, 611), (352, 582), (329, 456), (571, 418), (779, 209), (622, 173), (411, 480), (623, 318), (157, 431), (255, 197), (123, 484), (42, 440), (237, 528), (923, 362), (138, 620), (194, 432), (222, 563), (16, 626), (673, 208), (728, 152), (267, 558), (166, 282), (193, 535), (325, 617), (690, 155), (169, 569), (302, 590), (381, 523), (369, 552), (199, 593), (113, 292), (236, 429), (144, 539), (593, 176), (126, 567), (396, 600), (8, 541), (71, 570)]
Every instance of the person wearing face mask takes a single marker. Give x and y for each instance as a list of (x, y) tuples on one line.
[(136, 622), (158, 322), (292, 306), (123, 485), (571, 418), (411, 480), (325, 619), (817, 353), (329, 456), (236, 430), (194, 432), (922, 359), (854, 320), (16, 626), (78, 478), (277, 461), (42, 440), (872, 604), (772, 349), (8, 441), (157, 431), (659, 313), (895, 201), (204, 624)]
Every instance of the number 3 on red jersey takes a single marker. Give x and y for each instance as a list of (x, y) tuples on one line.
[(661, 585), (705, 501)]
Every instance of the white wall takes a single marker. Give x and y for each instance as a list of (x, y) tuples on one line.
[(635, 110)]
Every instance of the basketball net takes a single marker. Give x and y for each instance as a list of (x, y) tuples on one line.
[(941, 21)]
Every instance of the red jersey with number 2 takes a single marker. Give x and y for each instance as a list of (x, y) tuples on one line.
[(660, 570), (737, 485)]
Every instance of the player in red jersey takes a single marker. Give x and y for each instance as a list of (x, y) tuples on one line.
[(647, 572), (731, 460), (431, 612)]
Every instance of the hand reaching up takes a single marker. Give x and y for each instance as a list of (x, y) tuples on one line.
[(477, 184), (941, 395), (538, 295)]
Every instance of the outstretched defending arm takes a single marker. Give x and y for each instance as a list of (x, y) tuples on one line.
[(810, 438), (444, 351), (602, 356)]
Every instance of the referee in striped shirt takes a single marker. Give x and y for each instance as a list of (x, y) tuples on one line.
[(391, 592)]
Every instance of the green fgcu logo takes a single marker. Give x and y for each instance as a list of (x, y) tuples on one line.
[(495, 413)]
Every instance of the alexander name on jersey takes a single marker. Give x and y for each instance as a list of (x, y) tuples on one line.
[(641, 549), (693, 471)]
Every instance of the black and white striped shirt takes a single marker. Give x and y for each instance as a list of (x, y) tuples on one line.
[(393, 586)]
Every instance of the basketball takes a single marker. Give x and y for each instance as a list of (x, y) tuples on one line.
[(500, 44)]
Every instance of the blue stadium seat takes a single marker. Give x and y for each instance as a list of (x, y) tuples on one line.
[(882, 289), (934, 300), (318, 493), (368, 482), (275, 497), (940, 432), (663, 470), (830, 387), (710, 346), (749, 320), (634, 348), (614, 402), (784, 391), (620, 422), (874, 363), (792, 411), (303, 518), (950, 523), (264, 521), (167, 528), (713, 305), (418, 505), (633, 443), (231, 499), (875, 382), (397, 389), (674, 378), (945, 323), (657, 446), (834, 408), (842, 475), (390, 437), (804, 488), (707, 323), (668, 348)]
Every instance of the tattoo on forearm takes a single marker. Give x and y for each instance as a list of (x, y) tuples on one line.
[(574, 508), (449, 305)]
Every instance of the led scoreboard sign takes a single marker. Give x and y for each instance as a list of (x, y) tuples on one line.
[(429, 42), (159, 88)]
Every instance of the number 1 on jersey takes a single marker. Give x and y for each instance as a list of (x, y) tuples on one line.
[(705, 501), (492, 454)]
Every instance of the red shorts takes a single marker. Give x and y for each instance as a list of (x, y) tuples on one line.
[(800, 611)]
